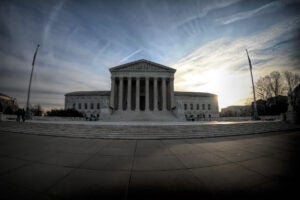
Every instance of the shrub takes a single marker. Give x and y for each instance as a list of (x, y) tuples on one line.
[(64, 113)]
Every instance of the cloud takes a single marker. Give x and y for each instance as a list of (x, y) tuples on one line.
[(222, 64), (203, 12), (53, 15), (130, 55), (265, 9), (80, 41)]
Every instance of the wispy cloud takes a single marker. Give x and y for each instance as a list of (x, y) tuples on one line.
[(130, 55), (265, 9), (223, 66), (204, 40)]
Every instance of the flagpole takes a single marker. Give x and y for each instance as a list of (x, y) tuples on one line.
[(255, 113), (29, 87)]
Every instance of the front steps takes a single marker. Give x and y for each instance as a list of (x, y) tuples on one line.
[(143, 116)]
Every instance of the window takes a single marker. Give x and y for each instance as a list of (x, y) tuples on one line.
[(185, 107), (85, 106), (98, 105), (74, 105), (79, 105), (191, 106), (92, 106), (198, 106), (203, 106), (208, 106)]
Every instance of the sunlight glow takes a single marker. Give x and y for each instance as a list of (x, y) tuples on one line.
[(231, 89)]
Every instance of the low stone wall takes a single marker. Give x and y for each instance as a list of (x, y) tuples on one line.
[(48, 118), (264, 118), (6, 117), (149, 132)]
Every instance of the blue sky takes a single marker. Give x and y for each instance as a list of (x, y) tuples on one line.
[(204, 40)]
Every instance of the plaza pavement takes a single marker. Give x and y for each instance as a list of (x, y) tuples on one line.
[(56, 161)]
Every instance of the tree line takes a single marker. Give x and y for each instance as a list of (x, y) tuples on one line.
[(272, 91), (276, 84)]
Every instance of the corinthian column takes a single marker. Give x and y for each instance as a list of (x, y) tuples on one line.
[(164, 99), (112, 93), (129, 94), (137, 93), (121, 93), (147, 94), (155, 95), (172, 92)]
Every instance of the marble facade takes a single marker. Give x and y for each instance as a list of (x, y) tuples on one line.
[(142, 90)]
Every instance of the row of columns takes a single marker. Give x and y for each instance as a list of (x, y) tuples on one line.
[(147, 93)]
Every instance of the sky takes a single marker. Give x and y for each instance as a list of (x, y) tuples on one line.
[(204, 41)]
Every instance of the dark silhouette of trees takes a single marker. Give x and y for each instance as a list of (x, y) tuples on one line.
[(276, 84), (271, 85), (37, 110), (272, 90), (292, 80), (262, 88)]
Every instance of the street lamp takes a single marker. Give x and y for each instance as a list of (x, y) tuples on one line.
[(255, 113), (29, 87)]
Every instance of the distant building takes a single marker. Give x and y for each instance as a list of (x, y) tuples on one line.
[(143, 90), (8, 105), (236, 111)]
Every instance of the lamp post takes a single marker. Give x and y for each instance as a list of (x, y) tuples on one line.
[(255, 113), (29, 87)]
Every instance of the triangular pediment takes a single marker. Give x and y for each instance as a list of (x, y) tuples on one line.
[(143, 66)]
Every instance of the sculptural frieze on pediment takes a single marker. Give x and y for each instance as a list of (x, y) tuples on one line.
[(143, 67)]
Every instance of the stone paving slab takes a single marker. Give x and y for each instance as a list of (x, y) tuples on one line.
[(147, 132), (253, 166)]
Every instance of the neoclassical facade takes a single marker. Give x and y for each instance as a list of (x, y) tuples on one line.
[(143, 90)]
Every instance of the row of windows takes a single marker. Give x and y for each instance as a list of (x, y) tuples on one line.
[(198, 106), (79, 106)]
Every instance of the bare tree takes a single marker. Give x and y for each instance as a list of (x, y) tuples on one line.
[(292, 80), (276, 83), (262, 88), (269, 86)]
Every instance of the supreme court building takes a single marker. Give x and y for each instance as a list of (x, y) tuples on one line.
[(143, 90)]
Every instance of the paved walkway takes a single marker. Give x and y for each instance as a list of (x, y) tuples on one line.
[(46, 167), (142, 130)]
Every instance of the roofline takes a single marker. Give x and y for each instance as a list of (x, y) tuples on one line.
[(184, 93), (85, 93), (141, 60)]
